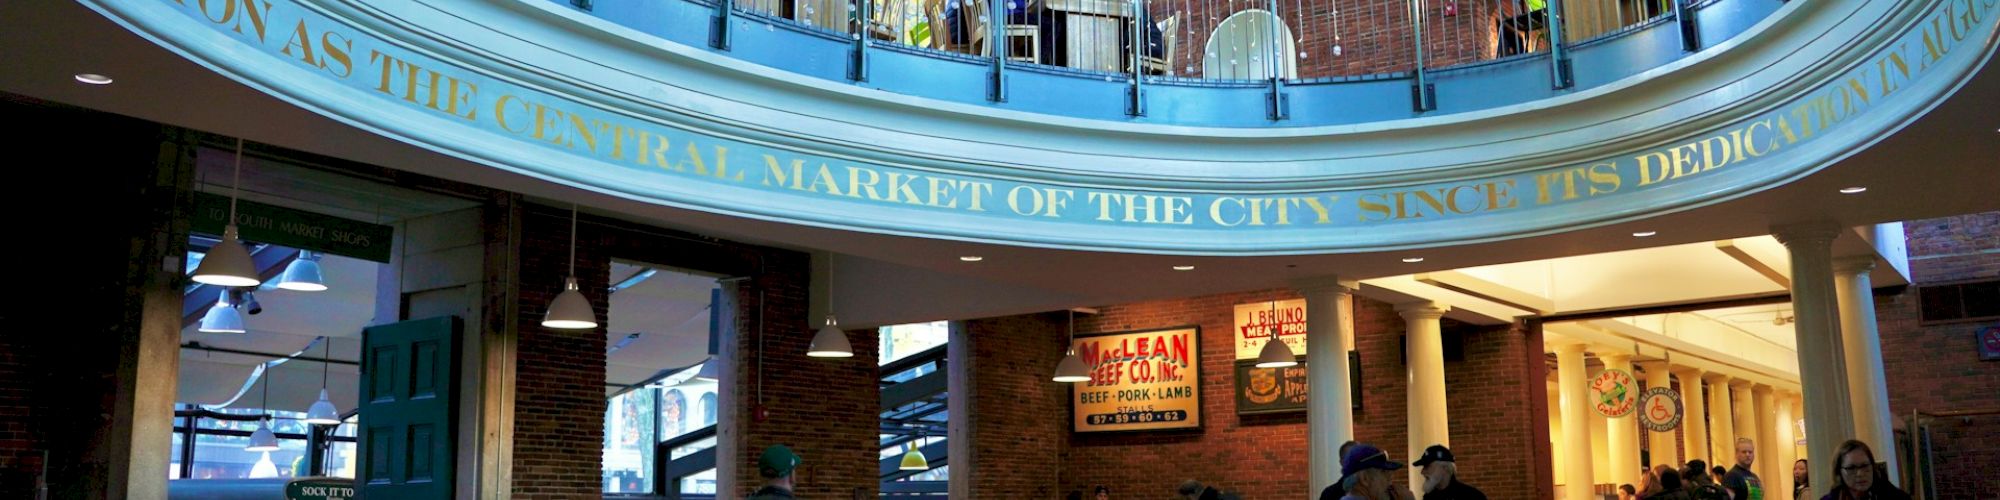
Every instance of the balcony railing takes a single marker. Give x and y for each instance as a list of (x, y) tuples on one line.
[(1234, 58)]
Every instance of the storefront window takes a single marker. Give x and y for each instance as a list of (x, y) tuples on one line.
[(901, 341), (628, 442)]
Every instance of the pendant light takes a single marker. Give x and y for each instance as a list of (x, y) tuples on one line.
[(228, 263), (1071, 369), (263, 439), (830, 342), (303, 274), (323, 412), (914, 460), (221, 317), (570, 310), (1275, 353)]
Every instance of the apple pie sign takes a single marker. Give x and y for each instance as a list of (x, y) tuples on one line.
[(1660, 409)]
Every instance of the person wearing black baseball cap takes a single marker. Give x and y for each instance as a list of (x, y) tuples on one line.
[(1441, 476)]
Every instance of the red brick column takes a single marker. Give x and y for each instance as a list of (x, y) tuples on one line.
[(1016, 417)]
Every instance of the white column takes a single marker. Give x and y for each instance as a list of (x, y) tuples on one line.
[(1721, 423), (1430, 422), (1575, 421), (1767, 438), (1867, 391), (1330, 407), (1695, 429), (1661, 444), (1785, 447), (1822, 364), (1744, 405), (1622, 433)]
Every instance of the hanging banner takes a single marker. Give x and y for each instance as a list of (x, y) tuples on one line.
[(1145, 380), (1615, 392), (1663, 410), (1256, 321)]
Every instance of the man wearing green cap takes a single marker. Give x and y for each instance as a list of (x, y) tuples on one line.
[(776, 466)]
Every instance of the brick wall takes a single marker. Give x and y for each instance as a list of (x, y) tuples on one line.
[(826, 410), (1937, 368), (1264, 456), (1016, 414), (559, 384)]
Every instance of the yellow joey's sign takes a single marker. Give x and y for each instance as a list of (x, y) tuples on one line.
[(1139, 381)]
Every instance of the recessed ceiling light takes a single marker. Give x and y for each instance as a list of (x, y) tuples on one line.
[(1643, 234), (971, 258), (1413, 260), (1853, 190), (93, 78), (1183, 268)]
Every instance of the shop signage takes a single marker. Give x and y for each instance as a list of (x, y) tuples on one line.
[(1615, 393), (262, 223), (1256, 322), (320, 488), (1270, 390), (1661, 409), (1146, 380), (640, 150), (1989, 343)]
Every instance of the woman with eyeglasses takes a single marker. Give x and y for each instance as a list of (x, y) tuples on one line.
[(1854, 476)]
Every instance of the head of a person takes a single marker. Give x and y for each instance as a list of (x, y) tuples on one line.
[(1102, 493), (1670, 479), (1364, 470), (1343, 449), (1437, 467), (1627, 491), (1799, 471), (1189, 489), (1854, 466), (1696, 470), (1716, 473), (777, 463), (1746, 452)]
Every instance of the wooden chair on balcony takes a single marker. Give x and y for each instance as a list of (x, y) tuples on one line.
[(1164, 63), (943, 32)]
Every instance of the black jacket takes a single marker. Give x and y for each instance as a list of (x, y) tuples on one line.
[(1456, 491), (771, 493), (1882, 490)]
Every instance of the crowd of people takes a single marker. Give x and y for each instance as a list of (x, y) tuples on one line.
[(1364, 475)]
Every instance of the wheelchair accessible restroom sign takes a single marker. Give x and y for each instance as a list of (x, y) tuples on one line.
[(1661, 410)]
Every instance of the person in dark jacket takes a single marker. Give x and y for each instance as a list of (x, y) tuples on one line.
[(1670, 486), (1334, 491), (1699, 485), (1441, 476), (1743, 484), (1854, 476), (776, 465)]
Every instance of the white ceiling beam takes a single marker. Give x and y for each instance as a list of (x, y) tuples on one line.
[(1734, 251), (1495, 292), (1467, 308)]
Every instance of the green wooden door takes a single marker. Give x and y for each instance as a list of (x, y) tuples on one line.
[(409, 374)]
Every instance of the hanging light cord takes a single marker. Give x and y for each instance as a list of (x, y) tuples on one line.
[(235, 179), (1070, 348), (572, 240), (267, 389), (326, 355)]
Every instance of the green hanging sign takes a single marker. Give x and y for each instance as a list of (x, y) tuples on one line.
[(263, 223), (320, 488)]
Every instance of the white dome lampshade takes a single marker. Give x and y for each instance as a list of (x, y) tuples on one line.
[(830, 342), (322, 412), (570, 310), (227, 263), (221, 318), (303, 274), (1071, 369), (1276, 355), (914, 460), (263, 439)]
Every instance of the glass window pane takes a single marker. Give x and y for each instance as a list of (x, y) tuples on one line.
[(900, 341), (700, 483), (340, 458), (686, 407), (629, 443)]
